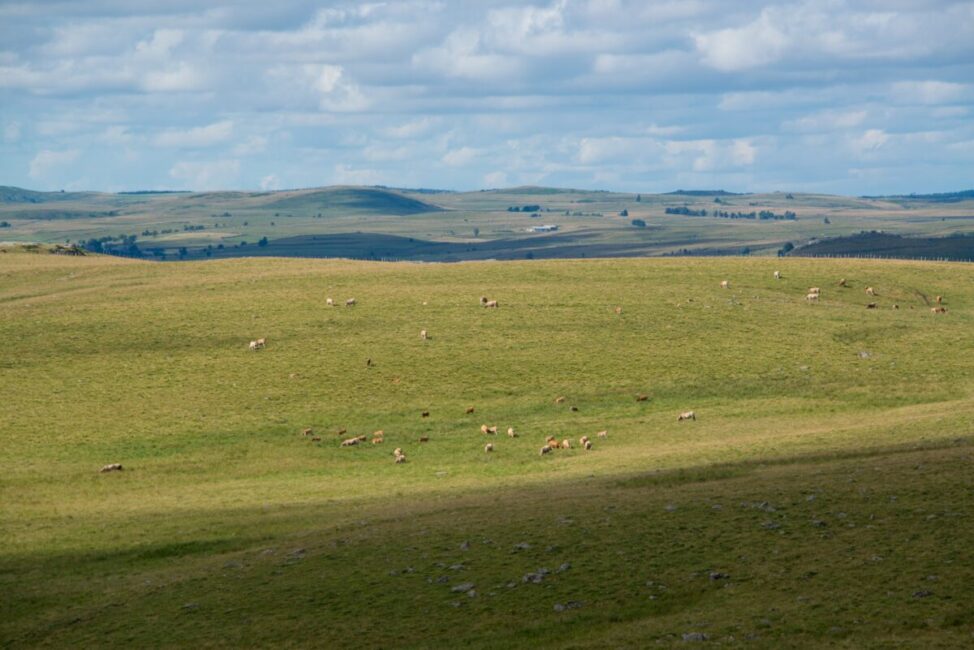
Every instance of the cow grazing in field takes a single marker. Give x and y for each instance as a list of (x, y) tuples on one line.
[(573, 409), (618, 310), (306, 432), (939, 310), (350, 302), (491, 304), (400, 459), (378, 441), (642, 397), (812, 297), (489, 447), (940, 300), (350, 442), (315, 438), (545, 450), (588, 445), (424, 439), (566, 444), (492, 430), (870, 291), (253, 346), (261, 343), (511, 433), (112, 467), (602, 434), (341, 431), (872, 305), (725, 284), (368, 362), (424, 414), (687, 415), (842, 282), (559, 400), (329, 302), (361, 438), (469, 410), (895, 306), (777, 275), (423, 335)]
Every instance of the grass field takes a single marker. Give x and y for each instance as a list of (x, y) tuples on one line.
[(822, 497)]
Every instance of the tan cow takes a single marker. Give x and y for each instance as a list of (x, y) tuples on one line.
[(350, 302), (489, 447), (870, 291), (545, 450), (602, 434), (491, 304), (329, 302), (511, 433), (777, 275), (350, 442), (566, 444), (588, 445), (687, 415), (725, 284), (812, 297), (842, 282), (422, 335)]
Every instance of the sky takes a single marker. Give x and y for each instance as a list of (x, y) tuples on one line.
[(839, 96)]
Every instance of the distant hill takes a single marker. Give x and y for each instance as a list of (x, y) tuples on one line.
[(704, 193), (366, 199), (885, 245), (10, 194), (941, 197)]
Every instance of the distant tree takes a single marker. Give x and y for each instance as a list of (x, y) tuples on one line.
[(529, 255), (639, 223), (787, 248), (789, 196), (4, 224), (639, 198), (262, 242), (183, 252), (826, 221), (624, 213), (476, 232)]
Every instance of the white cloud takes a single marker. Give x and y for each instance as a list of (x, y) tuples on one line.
[(930, 92), (459, 157), (197, 137), (495, 179), (347, 175), (253, 145), (270, 182), (47, 161), (826, 121), (871, 140), (207, 175), (756, 44)]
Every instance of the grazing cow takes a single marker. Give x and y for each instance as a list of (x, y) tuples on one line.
[(489, 447), (378, 434), (361, 438), (573, 409), (725, 284), (315, 438), (777, 275), (492, 430), (491, 304), (872, 305), (483, 300), (400, 459), (261, 343), (687, 415), (895, 306), (423, 335), (112, 467), (870, 291), (470, 410), (368, 362), (307, 431), (842, 282), (559, 400), (618, 310), (378, 441), (424, 414), (602, 434), (424, 439), (341, 431), (566, 444), (329, 302), (511, 433), (588, 445), (545, 450), (642, 397), (940, 300), (583, 440), (350, 302), (253, 346), (812, 297), (939, 310), (350, 442)]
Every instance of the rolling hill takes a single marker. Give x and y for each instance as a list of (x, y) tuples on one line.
[(821, 497)]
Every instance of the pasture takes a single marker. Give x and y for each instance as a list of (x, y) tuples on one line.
[(822, 495)]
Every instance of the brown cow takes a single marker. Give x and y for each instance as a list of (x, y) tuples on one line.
[(642, 397), (470, 410)]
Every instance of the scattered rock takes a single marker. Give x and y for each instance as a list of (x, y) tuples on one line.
[(864, 355), (559, 607), (522, 546), (717, 575), (771, 525), (442, 580), (191, 606), (564, 567), (472, 593), (232, 564), (268, 551), (818, 523), (457, 567), (463, 587), (465, 546), (923, 593), (670, 507), (695, 636)]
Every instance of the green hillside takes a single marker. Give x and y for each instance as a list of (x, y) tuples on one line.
[(821, 497)]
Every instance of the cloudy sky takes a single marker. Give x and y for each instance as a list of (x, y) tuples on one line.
[(853, 97)]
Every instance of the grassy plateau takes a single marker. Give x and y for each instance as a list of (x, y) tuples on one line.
[(822, 497)]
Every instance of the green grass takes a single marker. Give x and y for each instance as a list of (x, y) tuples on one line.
[(833, 488)]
